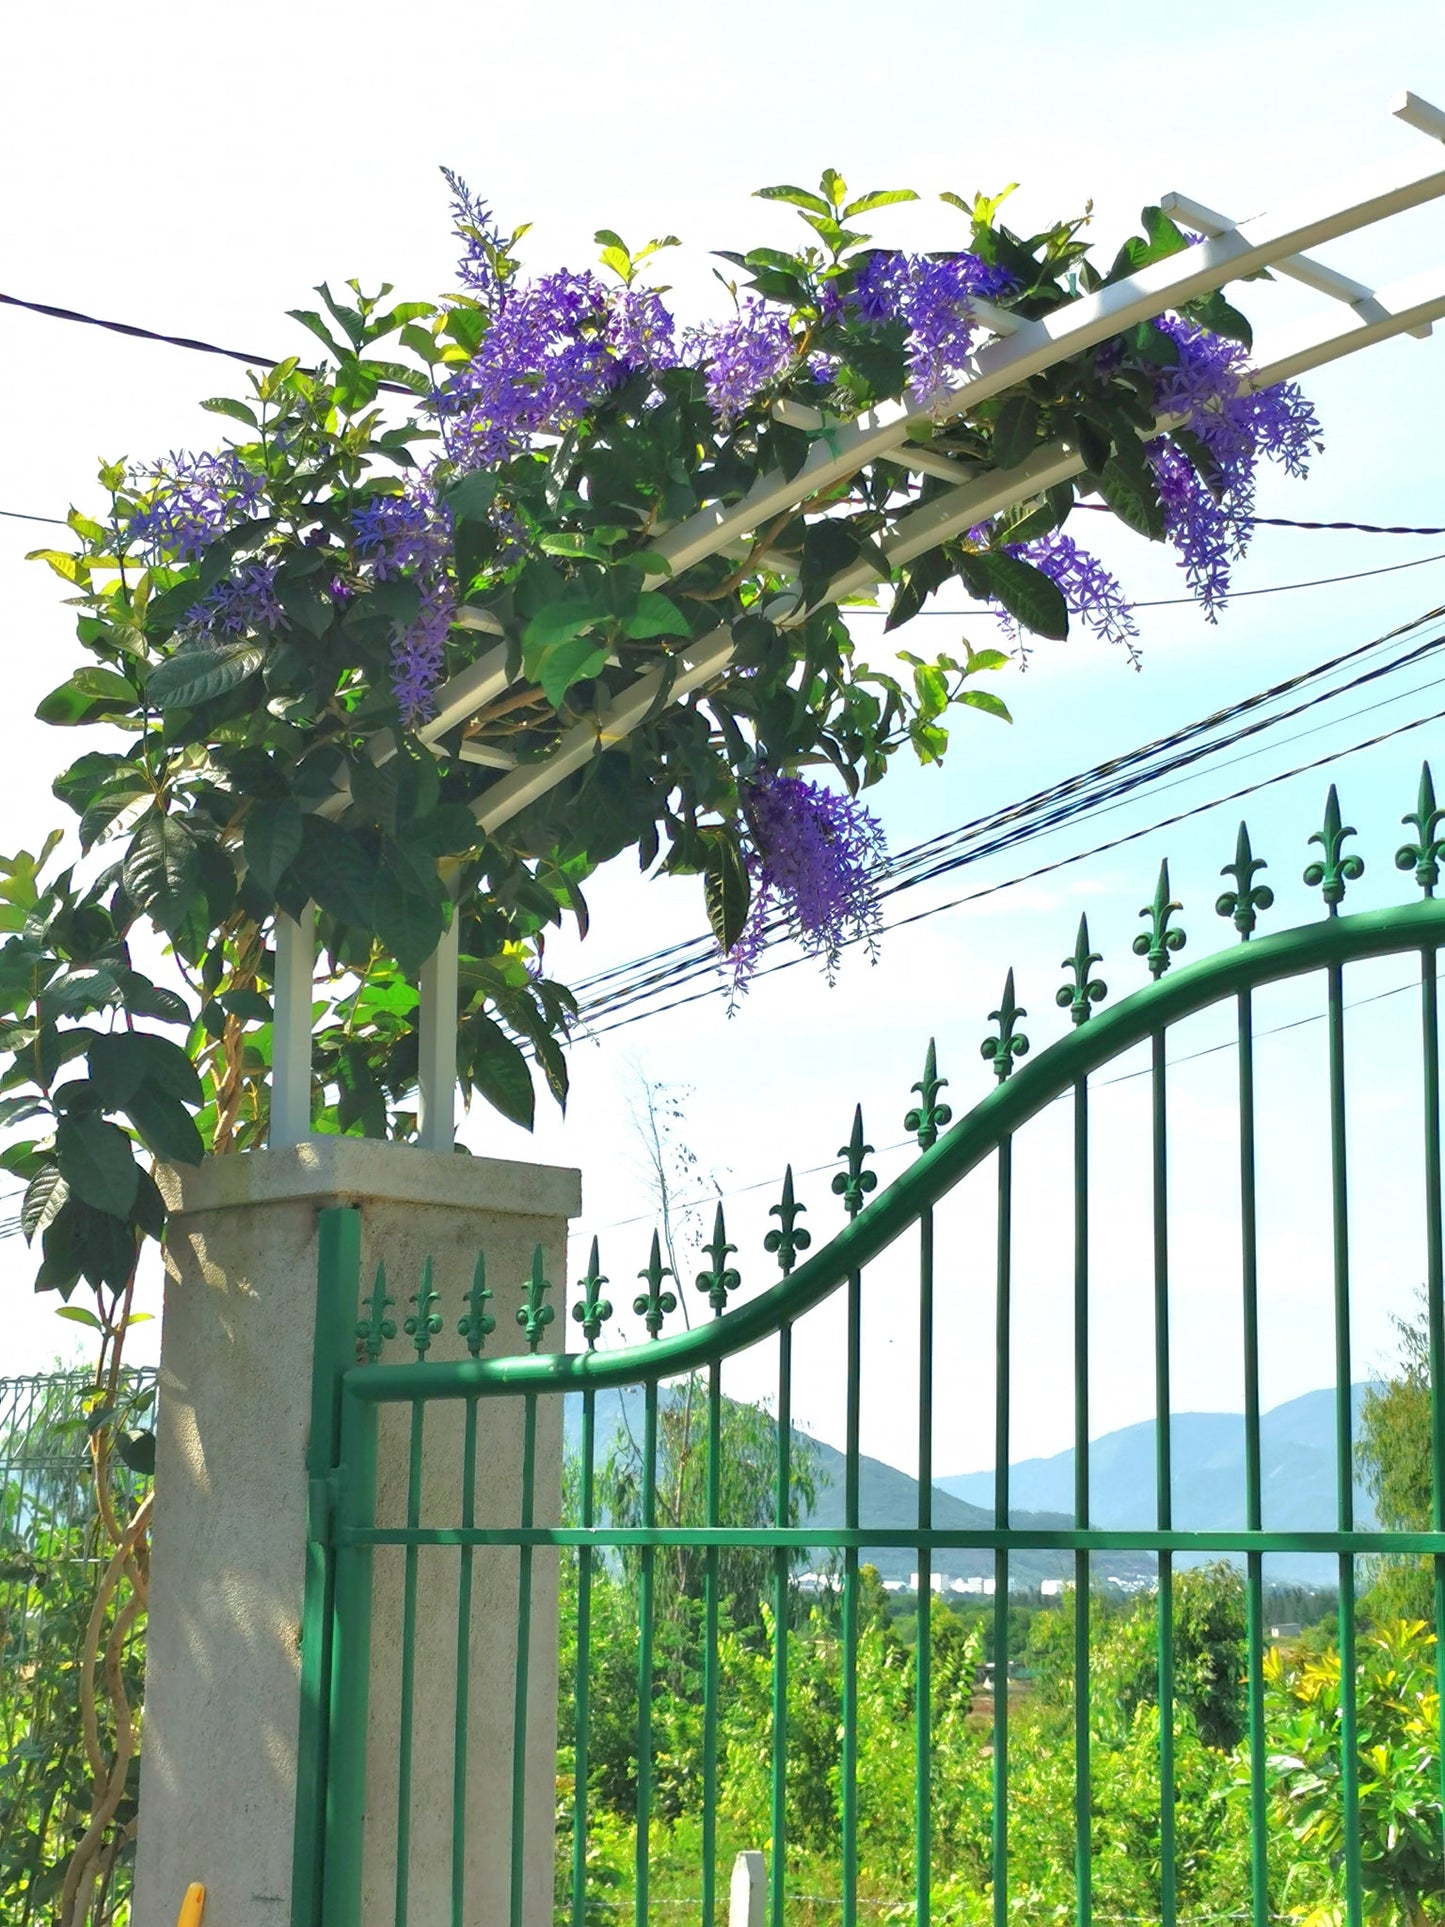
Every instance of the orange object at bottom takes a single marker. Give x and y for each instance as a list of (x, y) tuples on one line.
[(193, 1906)]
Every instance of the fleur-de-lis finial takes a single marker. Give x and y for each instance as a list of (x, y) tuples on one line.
[(720, 1278), (853, 1184), (928, 1117), (1247, 897), (1424, 854), (1159, 942), (477, 1324), (1085, 991), (422, 1325), (789, 1238), (593, 1310), (1010, 1043), (534, 1314), (376, 1327), (653, 1305), (1333, 871)]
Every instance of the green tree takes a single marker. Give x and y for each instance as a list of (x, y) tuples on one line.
[(1393, 1455)]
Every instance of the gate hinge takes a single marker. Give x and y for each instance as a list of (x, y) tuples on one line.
[(323, 1500)]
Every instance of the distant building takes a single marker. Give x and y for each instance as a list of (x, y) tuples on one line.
[(1052, 1588), (1286, 1629)]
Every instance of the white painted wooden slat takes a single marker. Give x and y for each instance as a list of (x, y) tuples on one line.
[(1419, 114), (292, 995), (437, 1041)]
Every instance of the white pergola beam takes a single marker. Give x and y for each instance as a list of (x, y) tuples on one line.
[(437, 1042), (1295, 267), (291, 995), (1419, 114)]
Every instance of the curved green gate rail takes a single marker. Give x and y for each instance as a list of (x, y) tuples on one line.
[(337, 1809)]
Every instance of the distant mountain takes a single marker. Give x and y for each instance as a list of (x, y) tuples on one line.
[(886, 1497), (1297, 1476)]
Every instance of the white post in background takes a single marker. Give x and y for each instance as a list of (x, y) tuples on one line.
[(292, 996), (437, 1040), (745, 1896)]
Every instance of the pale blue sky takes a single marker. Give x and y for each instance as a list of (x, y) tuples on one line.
[(186, 178)]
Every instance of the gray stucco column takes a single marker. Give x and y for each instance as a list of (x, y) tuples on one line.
[(218, 1775)]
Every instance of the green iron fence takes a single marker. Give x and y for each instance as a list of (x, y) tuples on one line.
[(476, 1506)]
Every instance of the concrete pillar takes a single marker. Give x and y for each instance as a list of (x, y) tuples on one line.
[(218, 1776)]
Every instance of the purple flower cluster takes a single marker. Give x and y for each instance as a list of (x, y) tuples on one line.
[(934, 301), (194, 499), (1208, 522), (740, 356), (1092, 592), (815, 856), (554, 349), (479, 236), (410, 535), (239, 604)]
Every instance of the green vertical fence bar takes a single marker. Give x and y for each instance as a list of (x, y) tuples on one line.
[(1435, 1314), (710, 1649), (338, 1271), (1003, 1324), (1163, 1477), (524, 1666), (849, 1762), (642, 1862), (1083, 1791), (408, 1667), (461, 1731), (1344, 1449), (1253, 1503), (782, 1510), (350, 1670), (582, 1678), (923, 1651)]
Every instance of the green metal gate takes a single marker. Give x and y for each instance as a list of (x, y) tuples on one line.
[(520, 1523)]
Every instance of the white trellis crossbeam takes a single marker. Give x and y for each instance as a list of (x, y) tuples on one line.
[(1357, 317)]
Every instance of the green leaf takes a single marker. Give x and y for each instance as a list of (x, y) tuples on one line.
[(247, 1006), (1030, 597), (69, 707), (408, 919), (199, 672), (1015, 430), (165, 1126), (237, 410), (114, 800), (558, 622), (1215, 313), (727, 889), (98, 1163), (1131, 494), (87, 776), (798, 196), (880, 197), (272, 839), (444, 832), (162, 869), (990, 705), (104, 685), (500, 1073), (138, 1451), (655, 615), (306, 608), (335, 868), (471, 497), (568, 663), (84, 987), (125, 1060), (79, 1315), (44, 1195)]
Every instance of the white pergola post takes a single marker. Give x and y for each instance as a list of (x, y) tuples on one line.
[(291, 1027), (437, 1038)]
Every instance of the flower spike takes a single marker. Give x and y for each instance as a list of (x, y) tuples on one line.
[(1001, 1051), (788, 1239), (1333, 871), (1423, 855), (1247, 897), (1159, 942), (1085, 991), (720, 1278), (653, 1305), (593, 1310), (853, 1184), (928, 1117), (478, 1324)]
